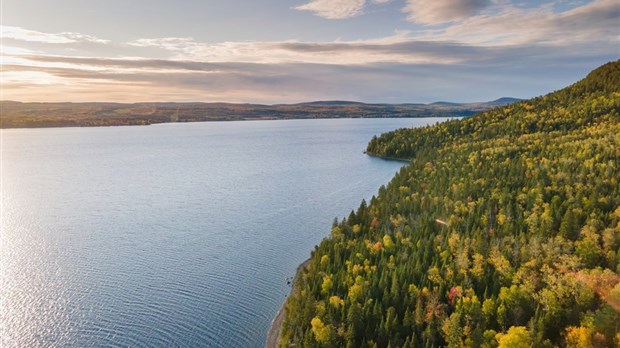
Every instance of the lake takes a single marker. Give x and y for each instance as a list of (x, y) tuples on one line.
[(171, 234)]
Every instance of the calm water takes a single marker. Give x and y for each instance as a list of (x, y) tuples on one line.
[(174, 234)]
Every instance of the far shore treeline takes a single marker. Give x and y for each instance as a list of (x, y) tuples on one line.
[(503, 231), (38, 115)]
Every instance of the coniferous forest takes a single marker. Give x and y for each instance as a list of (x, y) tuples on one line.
[(502, 231)]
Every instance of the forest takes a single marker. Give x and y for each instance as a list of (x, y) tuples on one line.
[(502, 231)]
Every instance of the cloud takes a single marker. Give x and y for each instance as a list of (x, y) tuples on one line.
[(157, 80), (441, 11), (600, 18), (363, 53), (397, 48), (335, 9), (169, 43), (21, 34), (594, 22), (124, 64), (11, 50), (508, 50)]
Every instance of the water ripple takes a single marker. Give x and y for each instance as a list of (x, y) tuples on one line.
[(171, 235)]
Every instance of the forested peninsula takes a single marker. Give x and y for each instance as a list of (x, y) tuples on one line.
[(503, 231)]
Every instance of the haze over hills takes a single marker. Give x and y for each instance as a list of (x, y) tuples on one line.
[(34, 115)]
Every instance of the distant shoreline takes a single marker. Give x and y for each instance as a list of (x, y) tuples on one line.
[(273, 335), (67, 125), (53, 115)]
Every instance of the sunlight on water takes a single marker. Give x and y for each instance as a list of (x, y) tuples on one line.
[(170, 235)]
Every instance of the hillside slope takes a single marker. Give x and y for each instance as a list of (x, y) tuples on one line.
[(502, 231)]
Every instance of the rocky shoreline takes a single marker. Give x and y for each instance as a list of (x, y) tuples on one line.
[(273, 335)]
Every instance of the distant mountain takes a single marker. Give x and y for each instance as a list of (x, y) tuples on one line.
[(443, 103), (36, 115), (498, 102), (331, 102)]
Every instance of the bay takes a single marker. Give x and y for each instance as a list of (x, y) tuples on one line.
[(172, 234)]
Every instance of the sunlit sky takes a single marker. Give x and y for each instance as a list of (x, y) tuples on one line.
[(276, 51)]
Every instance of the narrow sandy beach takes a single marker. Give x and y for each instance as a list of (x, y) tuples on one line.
[(273, 334)]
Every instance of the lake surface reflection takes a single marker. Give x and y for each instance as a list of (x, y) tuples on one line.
[(173, 234)]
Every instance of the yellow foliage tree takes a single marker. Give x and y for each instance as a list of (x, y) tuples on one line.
[(516, 337), (387, 242), (327, 285), (579, 337), (322, 333)]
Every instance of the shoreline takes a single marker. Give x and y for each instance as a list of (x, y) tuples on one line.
[(155, 122), (387, 158), (273, 335)]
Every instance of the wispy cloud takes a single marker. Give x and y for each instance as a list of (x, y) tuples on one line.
[(441, 11), (168, 43), (396, 48), (152, 80), (336, 9), (21, 34), (596, 21), (12, 50)]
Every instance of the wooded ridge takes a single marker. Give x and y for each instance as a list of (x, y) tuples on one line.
[(527, 252)]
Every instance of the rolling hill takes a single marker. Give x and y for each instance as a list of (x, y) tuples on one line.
[(32, 115)]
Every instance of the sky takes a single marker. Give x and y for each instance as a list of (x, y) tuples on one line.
[(288, 51)]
